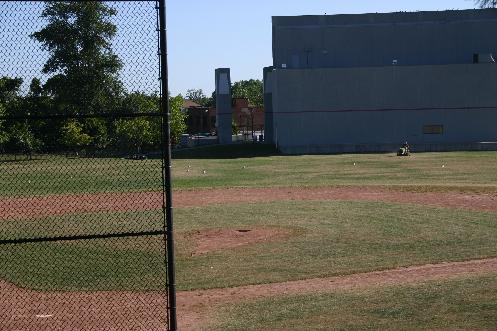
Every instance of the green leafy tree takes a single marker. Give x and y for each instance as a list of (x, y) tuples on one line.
[(178, 118), (37, 102), (35, 88), (486, 3), (9, 89), (9, 104), (4, 137), (141, 131), (9, 96), (211, 101), (198, 96), (73, 137), (98, 129), (251, 90), (84, 68), (22, 139), (138, 102), (135, 133), (13, 134)]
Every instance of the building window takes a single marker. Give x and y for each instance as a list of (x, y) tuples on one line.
[(433, 129)]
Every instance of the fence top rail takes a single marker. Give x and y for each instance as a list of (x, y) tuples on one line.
[(78, 116), (79, 0)]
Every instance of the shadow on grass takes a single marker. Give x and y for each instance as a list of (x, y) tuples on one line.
[(234, 151)]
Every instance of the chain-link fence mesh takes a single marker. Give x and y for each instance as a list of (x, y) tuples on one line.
[(82, 229)]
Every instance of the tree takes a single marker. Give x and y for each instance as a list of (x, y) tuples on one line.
[(9, 91), (135, 133), (37, 102), (177, 118), (14, 133), (138, 102), (211, 102), (486, 3), (9, 104), (140, 131), (251, 90), (73, 136), (98, 130), (35, 88), (22, 139), (4, 137), (198, 96), (78, 38)]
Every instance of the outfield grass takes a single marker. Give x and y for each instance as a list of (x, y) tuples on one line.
[(332, 238), (112, 264), (62, 175), (328, 238), (83, 224), (461, 169), (424, 171), (463, 304)]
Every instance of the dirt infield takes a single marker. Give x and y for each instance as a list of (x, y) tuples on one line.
[(22, 309), (42, 206), (221, 239), (27, 310)]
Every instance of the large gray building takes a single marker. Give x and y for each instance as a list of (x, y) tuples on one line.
[(347, 83)]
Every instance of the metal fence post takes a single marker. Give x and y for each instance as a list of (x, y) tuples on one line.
[(167, 167)]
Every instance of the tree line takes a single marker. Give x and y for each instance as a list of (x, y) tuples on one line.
[(26, 125), (251, 89), (83, 84), (22, 131)]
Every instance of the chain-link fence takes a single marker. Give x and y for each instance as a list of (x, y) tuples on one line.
[(82, 158)]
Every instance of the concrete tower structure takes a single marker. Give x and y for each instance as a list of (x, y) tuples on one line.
[(223, 105)]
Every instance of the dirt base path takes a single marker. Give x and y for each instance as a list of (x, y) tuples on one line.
[(27, 310), (42, 206), (195, 307), (22, 309)]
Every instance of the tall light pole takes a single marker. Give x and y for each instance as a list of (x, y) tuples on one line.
[(166, 170)]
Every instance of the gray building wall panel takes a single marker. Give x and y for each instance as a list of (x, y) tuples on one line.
[(423, 38), (380, 107)]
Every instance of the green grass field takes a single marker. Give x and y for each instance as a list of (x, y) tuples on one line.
[(326, 238), (463, 304), (474, 171)]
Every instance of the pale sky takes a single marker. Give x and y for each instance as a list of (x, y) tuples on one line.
[(207, 34), (202, 35)]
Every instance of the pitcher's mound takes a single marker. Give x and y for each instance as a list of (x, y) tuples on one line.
[(219, 239)]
